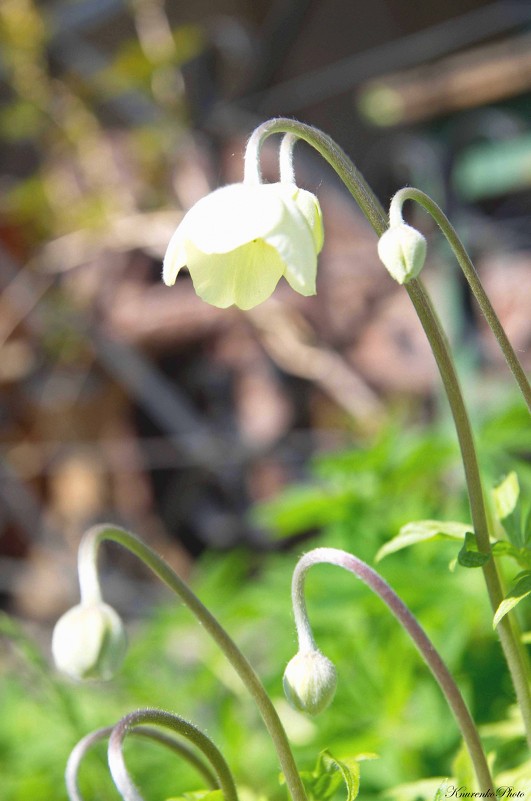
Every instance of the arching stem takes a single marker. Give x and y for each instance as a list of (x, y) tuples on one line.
[(89, 584), (395, 217), (80, 749), (157, 717), (507, 629), (409, 622)]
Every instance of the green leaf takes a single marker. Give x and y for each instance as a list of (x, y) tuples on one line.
[(425, 789), (462, 768), (422, 531), (506, 496), (521, 555), (199, 795), (302, 508), (520, 590), (329, 773), (470, 555)]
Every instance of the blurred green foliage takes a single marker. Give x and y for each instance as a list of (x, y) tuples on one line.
[(386, 703)]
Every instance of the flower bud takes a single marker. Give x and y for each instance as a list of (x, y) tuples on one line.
[(89, 642), (310, 682), (402, 249)]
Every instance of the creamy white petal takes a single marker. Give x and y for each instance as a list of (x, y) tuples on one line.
[(294, 242), (232, 216), (175, 256), (244, 277), (309, 206)]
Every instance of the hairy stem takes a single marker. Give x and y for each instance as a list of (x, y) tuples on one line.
[(119, 772), (79, 751), (420, 639), (88, 579)]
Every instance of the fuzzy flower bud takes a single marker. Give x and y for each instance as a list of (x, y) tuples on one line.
[(89, 642), (310, 682), (402, 249)]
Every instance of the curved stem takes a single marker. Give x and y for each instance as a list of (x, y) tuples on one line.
[(510, 641), (88, 578), (285, 159), (395, 213), (509, 638), (158, 717), (420, 639), (78, 752)]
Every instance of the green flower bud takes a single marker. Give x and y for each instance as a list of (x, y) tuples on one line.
[(402, 249), (310, 682), (89, 642)]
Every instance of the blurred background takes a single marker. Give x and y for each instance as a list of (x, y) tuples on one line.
[(125, 401)]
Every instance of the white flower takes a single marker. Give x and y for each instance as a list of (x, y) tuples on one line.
[(89, 642), (402, 249), (238, 241), (310, 681)]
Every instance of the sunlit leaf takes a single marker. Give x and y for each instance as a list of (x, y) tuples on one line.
[(520, 590), (199, 795), (506, 496), (423, 790), (330, 773), (423, 531)]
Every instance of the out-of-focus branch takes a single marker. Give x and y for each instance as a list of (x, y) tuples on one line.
[(483, 75), (291, 343)]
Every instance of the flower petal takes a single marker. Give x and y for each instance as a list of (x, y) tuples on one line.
[(309, 206), (245, 277), (294, 242), (232, 216), (175, 256)]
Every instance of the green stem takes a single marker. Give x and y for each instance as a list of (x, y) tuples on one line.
[(371, 208), (395, 214), (158, 717), (420, 639), (88, 580), (509, 638)]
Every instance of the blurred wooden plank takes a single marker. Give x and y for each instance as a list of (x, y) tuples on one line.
[(467, 80)]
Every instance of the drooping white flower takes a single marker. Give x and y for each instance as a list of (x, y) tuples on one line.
[(310, 681), (89, 642), (239, 240), (402, 250)]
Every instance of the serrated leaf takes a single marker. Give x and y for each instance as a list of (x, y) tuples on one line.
[(520, 590), (330, 773), (506, 496), (470, 555), (422, 531)]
